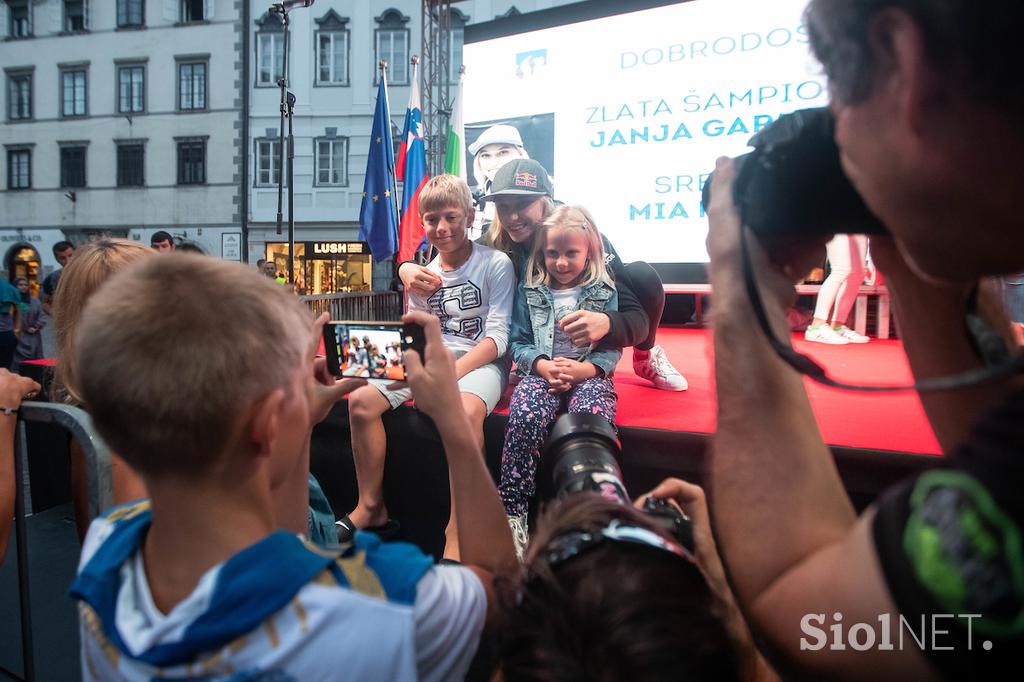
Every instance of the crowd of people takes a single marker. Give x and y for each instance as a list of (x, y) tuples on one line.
[(223, 570)]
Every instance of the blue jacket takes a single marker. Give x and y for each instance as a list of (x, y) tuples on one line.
[(533, 325)]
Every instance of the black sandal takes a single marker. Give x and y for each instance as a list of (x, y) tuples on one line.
[(347, 530)]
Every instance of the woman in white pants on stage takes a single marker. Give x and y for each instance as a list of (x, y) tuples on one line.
[(847, 254)]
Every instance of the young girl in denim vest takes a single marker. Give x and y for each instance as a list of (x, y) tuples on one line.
[(565, 273)]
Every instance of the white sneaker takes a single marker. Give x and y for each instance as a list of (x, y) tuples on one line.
[(655, 367), (520, 534), (823, 333), (850, 335)]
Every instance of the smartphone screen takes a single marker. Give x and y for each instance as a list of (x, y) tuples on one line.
[(368, 350)]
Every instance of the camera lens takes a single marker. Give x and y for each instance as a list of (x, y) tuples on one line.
[(582, 453)]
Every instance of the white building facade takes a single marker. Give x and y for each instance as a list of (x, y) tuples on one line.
[(334, 49), (121, 117)]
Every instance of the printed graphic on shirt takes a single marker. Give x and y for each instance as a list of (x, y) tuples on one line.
[(966, 551), (563, 347), (449, 303)]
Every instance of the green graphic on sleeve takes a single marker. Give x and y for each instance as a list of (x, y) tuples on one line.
[(965, 551)]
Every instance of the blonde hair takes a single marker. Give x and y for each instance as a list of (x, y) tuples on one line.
[(445, 191), (174, 350), (497, 238), (573, 218), (92, 265)]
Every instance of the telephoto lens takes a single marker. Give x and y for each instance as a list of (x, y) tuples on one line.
[(582, 453)]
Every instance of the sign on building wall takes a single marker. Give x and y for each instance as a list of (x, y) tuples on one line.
[(231, 246)]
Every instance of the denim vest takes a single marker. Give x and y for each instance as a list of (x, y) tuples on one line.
[(533, 325)]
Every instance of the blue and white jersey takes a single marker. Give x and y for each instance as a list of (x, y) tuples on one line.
[(282, 609)]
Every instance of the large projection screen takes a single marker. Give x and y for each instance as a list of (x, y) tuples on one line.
[(630, 111)]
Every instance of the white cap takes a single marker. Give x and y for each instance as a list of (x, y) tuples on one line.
[(499, 134)]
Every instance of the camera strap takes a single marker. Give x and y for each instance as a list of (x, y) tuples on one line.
[(1000, 363)]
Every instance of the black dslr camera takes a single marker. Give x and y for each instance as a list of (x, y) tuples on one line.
[(792, 184), (582, 454)]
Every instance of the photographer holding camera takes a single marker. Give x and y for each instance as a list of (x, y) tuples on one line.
[(619, 591), (927, 100)]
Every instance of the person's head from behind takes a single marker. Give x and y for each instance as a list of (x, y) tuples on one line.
[(907, 80), (446, 208), (162, 241), (567, 251), (93, 264), (166, 385), (63, 251), (495, 147), (523, 198), (616, 610)]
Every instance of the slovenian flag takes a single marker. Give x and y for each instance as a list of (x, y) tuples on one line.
[(455, 152), (412, 171)]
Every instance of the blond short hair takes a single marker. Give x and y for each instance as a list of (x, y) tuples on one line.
[(446, 191), (574, 218), (173, 351), (92, 265)]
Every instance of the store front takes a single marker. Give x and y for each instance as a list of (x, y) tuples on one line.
[(325, 267), (22, 260)]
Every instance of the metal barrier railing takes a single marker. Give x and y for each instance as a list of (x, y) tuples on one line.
[(100, 490), (382, 306)]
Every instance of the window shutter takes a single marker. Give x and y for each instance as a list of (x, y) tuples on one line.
[(85, 14), (208, 9), (172, 10)]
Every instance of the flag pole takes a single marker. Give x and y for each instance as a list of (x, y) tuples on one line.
[(383, 65)]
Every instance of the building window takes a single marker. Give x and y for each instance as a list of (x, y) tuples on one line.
[(130, 13), (74, 15), (131, 89), (19, 96), (72, 166), (131, 162), (332, 50), (19, 168), (21, 18), (332, 162), (191, 162), (392, 38), (268, 162), (193, 10), (191, 86), (72, 93), (269, 50)]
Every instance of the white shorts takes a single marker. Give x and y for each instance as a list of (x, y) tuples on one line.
[(487, 383)]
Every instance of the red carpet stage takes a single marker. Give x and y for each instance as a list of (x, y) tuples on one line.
[(887, 421)]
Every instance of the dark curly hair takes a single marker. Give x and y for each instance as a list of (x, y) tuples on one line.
[(615, 612), (975, 41)]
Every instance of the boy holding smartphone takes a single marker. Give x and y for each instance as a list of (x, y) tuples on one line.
[(474, 307), (200, 580)]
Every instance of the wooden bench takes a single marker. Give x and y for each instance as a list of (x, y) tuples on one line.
[(860, 311)]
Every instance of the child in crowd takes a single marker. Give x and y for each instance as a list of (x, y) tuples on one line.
[(473, 304), (198, 581), (565, 273)]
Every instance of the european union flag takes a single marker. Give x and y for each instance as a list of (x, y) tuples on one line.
[(378, 219)]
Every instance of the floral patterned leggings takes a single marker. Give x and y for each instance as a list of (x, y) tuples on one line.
[(531, 411)]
